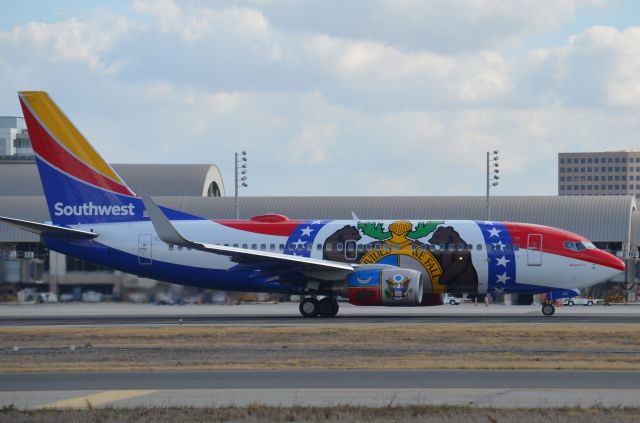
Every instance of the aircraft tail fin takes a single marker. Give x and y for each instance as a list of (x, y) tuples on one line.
[(79, 185)]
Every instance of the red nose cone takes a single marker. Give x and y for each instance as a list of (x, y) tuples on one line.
[(610, 260)]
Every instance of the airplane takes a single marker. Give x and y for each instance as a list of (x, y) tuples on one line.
[(96, 217)]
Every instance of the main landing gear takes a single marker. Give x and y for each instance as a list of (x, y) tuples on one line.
[(548, 309), (312, 307)]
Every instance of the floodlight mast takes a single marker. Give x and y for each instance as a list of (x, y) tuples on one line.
[(492, 177), (240, 168)]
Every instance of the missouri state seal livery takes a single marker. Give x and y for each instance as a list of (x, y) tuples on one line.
[(95, 216)]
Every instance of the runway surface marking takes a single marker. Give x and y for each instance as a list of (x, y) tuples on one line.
[(93, 400)]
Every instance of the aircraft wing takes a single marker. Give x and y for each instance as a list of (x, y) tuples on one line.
[(169, 234), (49, 230)]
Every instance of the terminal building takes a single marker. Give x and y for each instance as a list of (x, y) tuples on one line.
[(612, 222)]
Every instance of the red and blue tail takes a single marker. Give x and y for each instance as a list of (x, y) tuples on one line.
[(79, 185)]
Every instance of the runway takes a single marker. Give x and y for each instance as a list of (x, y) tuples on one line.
[(483, 388), (286, 314)]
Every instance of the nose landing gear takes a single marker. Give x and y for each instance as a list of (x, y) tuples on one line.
[(312, 307)]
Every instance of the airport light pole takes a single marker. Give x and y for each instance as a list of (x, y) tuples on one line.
[(241, 170), (492, 177)]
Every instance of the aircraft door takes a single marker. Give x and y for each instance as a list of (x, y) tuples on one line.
[(144, 249), (350, 250), (534, 250)]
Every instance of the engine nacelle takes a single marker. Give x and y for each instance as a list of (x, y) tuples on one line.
[(387, 287)]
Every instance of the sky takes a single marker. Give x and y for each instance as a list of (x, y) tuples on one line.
[(365, 97)]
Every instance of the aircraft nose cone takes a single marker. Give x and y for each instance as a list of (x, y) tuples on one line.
[(611, 261)]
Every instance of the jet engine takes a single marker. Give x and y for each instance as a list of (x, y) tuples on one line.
[(387, 287)]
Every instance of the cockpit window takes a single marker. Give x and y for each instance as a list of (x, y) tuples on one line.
[(579, 245)]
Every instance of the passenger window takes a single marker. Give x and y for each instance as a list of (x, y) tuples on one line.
[(498, 247), (309, 247), (461, 247), (507, 247), (470, 247), (328, 246), (387, 247), (319, 247), (479, 247), (340, 246), (235, 245), (516, 247), (272, 247), (369, 246), (292, 247), (281, 247), (254, 246), (244, 246), (170, 247), (360, 247), (263, 247), (179, 247)]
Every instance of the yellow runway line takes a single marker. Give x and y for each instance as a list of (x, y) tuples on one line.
[(93, 400)]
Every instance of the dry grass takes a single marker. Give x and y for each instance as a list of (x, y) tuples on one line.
[(257, 413), (610, 347)]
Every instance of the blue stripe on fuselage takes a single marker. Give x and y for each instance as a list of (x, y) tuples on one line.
[(175, 273)]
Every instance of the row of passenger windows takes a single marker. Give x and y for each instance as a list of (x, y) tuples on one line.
[(350, 247), (601, 160)]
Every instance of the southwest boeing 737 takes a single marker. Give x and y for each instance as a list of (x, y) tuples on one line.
[(96, 217)]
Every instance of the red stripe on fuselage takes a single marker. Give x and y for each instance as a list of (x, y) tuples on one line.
[(263, 228), (553, 243), (49, 149)]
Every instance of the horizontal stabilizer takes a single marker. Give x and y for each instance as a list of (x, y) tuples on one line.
[(48, 230), (169, 234)]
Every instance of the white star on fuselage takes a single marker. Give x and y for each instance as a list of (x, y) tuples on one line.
[(494, 232), (499, 244), (502, 261), (306, 231), (299, 244), (502, 278)]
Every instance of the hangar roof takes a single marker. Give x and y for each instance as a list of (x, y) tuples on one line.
[(600, 218), (21, 179)]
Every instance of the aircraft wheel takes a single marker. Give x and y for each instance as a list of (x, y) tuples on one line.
[(570, 303), (548, 309), (309, 307), (328, 307)]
